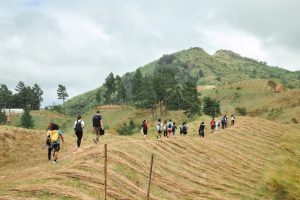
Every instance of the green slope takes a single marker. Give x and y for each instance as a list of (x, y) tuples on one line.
[(223, 68)]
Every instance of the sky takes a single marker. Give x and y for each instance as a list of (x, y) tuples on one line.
[(78, 43)]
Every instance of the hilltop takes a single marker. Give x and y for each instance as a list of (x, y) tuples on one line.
[(224, 68)]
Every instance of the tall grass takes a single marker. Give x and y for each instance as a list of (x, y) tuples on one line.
[(283, 179)]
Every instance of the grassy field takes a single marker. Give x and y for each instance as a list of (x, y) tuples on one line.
[(254, 159), (258, 99)]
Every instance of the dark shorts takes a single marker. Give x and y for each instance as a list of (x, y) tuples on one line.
[(56, 146), (212, 126), (98, 130), (145, 132), (159, 132)]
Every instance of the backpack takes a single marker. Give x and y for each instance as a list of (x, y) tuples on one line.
[(184, 129), (169, 125), (96, 121), (78, 126), (53, 136)]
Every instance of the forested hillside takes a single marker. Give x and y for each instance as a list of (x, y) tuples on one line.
[(164, 82)]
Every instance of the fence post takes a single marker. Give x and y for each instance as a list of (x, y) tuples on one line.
[(105, 171), (149, 183)]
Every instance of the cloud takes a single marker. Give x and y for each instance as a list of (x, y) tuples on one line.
[(77, 43)]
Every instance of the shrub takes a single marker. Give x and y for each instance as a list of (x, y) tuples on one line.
[(26, 119), (241, 111), (2, 117), (294, 120), (127, 128), (275, 112)]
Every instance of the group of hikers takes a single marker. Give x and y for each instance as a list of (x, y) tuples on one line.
[(215, 125), (167, 128), (54, 136)]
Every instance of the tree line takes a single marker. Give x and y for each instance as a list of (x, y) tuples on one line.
[(164, 90), (24, 96)]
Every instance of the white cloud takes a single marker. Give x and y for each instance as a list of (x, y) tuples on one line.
[(77, 43)]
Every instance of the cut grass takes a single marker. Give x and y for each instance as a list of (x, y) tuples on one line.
[(236, 163)]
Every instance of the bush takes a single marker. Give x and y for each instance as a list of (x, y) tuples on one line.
[(275, 112), (127, 128), (241, 111), (294, 120), (2, 118), (26, 119)]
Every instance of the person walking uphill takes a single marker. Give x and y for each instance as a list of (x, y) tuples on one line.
[(98, 126), (159, 128), (55, 137), (232, 118), (78, 128), (48, 142), (212, 125), (201, 129), (145, 128)]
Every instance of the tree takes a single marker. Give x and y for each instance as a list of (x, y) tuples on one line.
[(37, 97), (137, 85), (147, 96), (109, 94), (191, 103), (24, 97), (20, 87), (26, 119), (211, 107), (272, 84), (98, 96), (120, 89), (164, 82), (62, 92), (5, 97)]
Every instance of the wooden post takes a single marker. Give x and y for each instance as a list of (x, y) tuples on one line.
[(105, 171), (149, 183)]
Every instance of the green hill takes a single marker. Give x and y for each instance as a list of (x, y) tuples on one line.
[(223, 68)]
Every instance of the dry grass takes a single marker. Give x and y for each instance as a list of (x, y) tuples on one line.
[(230, 164)]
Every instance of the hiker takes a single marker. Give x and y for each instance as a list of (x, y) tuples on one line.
[(159, 128), (184, 128), (170, 128), (55, 137), (78, 128), (48, 142), (212, 125), (145, 128), (174, 128), (98, 126), (201, 129), (218, 124), (223, 122), (165, 129), (232, 118)]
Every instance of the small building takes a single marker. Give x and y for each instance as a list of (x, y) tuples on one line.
[(13, 111)]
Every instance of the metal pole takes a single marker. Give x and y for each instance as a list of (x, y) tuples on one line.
[(105, 171), (149, 183)]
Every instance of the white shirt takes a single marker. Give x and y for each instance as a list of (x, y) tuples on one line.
[(82, 123)]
